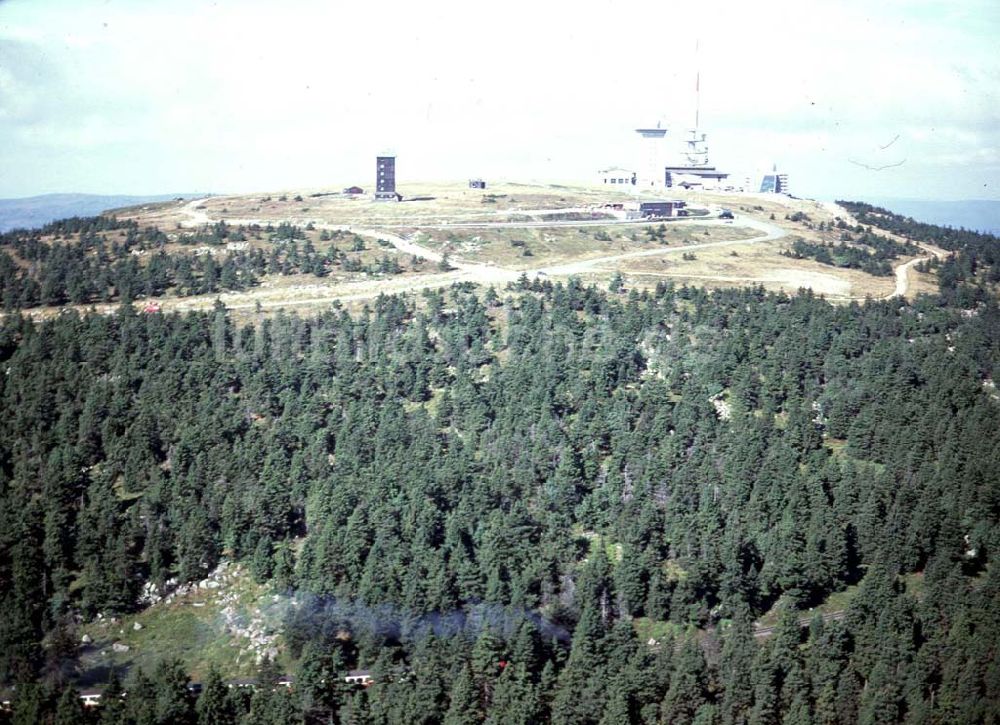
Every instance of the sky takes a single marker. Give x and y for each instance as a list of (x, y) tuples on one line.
[(896, 98)]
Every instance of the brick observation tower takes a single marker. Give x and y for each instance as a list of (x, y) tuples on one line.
[(385, 178)]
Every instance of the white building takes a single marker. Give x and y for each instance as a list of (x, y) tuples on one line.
[(617, 177)]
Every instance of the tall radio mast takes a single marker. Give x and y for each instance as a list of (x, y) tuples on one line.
[(697, 86), (696, 149)]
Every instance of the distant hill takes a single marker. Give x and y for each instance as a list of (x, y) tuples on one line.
[(981, 215), (34, 211)]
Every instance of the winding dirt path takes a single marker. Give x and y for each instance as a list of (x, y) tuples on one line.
[(769, 232), (198, 217), (277, 296), (478, 272), (903, 270)]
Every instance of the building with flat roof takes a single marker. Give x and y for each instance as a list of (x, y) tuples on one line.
[(618, 176), (689, 176), (385, 178), (653, 141), (653, 209)]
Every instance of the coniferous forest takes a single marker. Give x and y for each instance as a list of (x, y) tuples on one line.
[(73, 261), (478, 495)]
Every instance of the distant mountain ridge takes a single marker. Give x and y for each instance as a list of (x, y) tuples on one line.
[(35, 211), (981, 215)]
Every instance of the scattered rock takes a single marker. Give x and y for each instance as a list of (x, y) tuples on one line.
[(255, 630), (149, 594), (86, 639)]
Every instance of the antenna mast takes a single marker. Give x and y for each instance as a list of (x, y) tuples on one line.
[(696, 151), (697, 86)]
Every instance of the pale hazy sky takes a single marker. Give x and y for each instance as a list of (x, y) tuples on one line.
[(148, 97)]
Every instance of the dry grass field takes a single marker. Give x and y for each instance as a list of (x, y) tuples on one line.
[(425, 203), (762, 264), (525, 248), (517, 227)]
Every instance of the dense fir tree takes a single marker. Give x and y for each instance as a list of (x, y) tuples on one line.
[(484, 499)]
